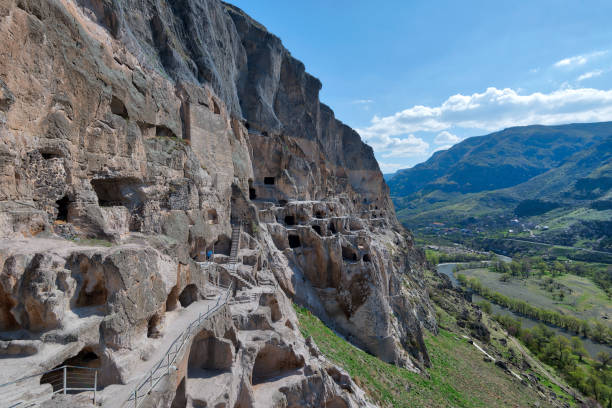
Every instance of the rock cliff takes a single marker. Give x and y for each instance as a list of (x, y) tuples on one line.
[(135, 137)]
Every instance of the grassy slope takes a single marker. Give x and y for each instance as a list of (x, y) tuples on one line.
[(587, 301), (459, 376)]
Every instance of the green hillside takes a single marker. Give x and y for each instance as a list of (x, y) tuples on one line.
[(557, 180)]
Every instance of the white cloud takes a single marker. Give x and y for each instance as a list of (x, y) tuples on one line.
[(362, 101), (492, 110), (578, 59), (446, 138), (391, 167), (590, 74), (408, 146)]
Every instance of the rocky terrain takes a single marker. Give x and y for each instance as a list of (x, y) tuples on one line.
[(137, 136)]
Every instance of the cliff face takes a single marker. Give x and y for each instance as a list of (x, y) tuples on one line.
[(151, 127)]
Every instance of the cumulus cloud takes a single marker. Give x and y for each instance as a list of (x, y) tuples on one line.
[(578, 59), (494, 109), (446, 138), (591, 74), (407, 146)]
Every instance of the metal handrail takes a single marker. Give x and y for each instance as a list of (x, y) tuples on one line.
[(67, 382), (162, 368)]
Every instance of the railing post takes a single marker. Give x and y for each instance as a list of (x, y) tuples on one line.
[(151, 381), (95, 385), (168, 363), (65, 379), (136, 397)]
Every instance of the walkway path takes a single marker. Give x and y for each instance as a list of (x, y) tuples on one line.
[(114, 396)]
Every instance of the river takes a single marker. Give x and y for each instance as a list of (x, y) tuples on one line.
[(591, 347)]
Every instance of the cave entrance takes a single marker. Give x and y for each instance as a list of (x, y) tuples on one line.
[(62, 208), (294, 241), (189, 295), (172, 300), (252, 192), (348, 254), (273, 361), (212, 216), (86, 358), (319, 214), (282, 203), (118, 107), (289, 219), (118, 191), (7, 320), (222, 245), (317, 229), (180, 398), (209, 355), (93, 292), (154, 326), (332, 228), (366, 258), (270, 181)]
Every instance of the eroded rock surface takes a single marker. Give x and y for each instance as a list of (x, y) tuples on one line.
[(133, 135)]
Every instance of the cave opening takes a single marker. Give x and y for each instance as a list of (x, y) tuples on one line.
[(348, 254), (294, 241), (212, 216), (272, 362), (366, 258), (154, 326), (172, 300), (180, 398), (189, 295), (317, 229), (118, 191), (85, 358), (118, 107), (93, 292), (210, 354), (252, 191), (289, 219), (216, 108), (332, 228), (164, 131), (282, 203), (62, 208), (270, 181), (319, 214)]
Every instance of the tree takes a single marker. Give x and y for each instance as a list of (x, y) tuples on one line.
[(604, 358), (578, 348)]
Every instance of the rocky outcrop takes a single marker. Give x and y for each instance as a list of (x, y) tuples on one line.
[(133, 136)]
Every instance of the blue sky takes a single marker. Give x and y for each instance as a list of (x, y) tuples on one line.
[(418, 76)]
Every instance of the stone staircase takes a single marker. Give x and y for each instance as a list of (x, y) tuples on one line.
[(236, 233)]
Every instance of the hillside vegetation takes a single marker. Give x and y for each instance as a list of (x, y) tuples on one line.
[(556, 179)]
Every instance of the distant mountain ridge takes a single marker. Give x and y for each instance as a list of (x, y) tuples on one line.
[(541, 168)]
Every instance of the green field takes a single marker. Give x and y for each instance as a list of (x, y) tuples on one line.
[(582, 298), (459, 376)]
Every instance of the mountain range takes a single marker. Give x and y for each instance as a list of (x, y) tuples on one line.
[(555, 178)]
